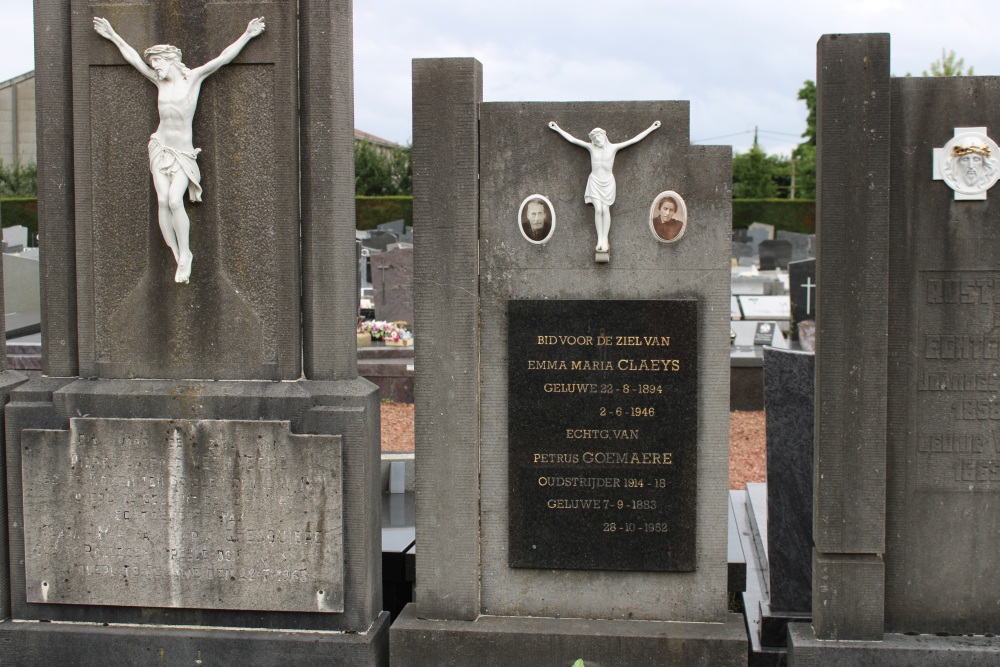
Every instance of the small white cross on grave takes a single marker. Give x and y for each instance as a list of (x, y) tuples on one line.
[(969, 163), (809, 285)]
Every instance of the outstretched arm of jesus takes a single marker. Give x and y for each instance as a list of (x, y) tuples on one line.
[(254, 28), (640, 136), (104, 29), (569, 137)]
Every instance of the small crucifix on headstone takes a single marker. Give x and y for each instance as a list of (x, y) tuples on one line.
[(809, 285)]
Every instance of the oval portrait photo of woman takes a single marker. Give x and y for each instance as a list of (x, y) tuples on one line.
[(537, 218), (668, 217)]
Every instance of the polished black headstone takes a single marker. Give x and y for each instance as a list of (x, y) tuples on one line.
[(602, 425), (802, 293), (789, 380)]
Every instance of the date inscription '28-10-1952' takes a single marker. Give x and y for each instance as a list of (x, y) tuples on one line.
[(602, 427)]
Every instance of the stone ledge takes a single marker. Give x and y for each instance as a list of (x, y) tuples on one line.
[(90, 644), (804, 650), (494, 641)]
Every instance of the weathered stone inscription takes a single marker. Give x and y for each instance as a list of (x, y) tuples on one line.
[(957, 437), (183, 513), (602, 428)]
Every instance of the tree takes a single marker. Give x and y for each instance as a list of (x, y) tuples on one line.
[(379, 172), (804, 154), (757, 175), (948, 64), (18, 180)]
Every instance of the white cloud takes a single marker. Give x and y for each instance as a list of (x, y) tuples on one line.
[(740, 63)]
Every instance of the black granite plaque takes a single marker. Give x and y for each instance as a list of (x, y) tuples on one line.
[(603, 425)]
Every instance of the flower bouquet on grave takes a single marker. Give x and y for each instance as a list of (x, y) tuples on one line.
[(399, 335), (364, 338), (390, 333)]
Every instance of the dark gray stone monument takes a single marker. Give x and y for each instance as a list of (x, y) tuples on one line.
[(803, 245), (396, 227), (179, 485), (774, 255), (907, 499), (379, 240), (742, 249), (802, 293), (392, 285), (785, 539), (487, 591)]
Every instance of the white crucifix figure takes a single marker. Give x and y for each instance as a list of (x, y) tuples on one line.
[(601, 190), (172, 155), (809, 285), (968, 163)]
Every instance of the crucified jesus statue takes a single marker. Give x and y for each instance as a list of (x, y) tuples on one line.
[(172, 155), (601, 183)]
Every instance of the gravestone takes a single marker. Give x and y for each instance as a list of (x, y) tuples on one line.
[(396, 227), (392, 285), (15, 235), (907, 502), (803, 245), (774, 254), (556, 521), (788, 400), (9, 380), (766, 308), (742, 249), (379, 241), (741, 236), (179, 484), (758, 232), (801, 293)]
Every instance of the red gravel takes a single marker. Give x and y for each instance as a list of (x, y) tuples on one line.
[(746, 441)]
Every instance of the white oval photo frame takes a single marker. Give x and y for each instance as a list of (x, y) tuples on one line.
[(522, 222), (681, 214)]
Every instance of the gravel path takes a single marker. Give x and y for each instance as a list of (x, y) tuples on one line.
[(746, 441)]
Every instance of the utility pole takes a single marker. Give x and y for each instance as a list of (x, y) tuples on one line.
[(791, 194)]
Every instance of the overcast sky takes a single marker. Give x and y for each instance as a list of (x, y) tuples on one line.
[(740, 63)]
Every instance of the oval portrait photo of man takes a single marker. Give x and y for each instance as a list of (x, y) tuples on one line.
[(668, 217), (537, 218)]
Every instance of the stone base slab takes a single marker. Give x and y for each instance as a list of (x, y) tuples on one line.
[(494, 641), (804, 650), (30, 643)]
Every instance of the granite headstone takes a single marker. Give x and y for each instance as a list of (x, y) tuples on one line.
[(803, 245), (774, 255), (802, 293), (392, 285), (788, 402)]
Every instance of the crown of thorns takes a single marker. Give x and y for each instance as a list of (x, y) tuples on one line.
[(168, 50), (958, 151)]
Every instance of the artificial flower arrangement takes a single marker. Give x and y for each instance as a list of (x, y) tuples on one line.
[(390, 333)]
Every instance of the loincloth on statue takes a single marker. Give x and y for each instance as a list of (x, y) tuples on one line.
[(600, 191), (168, 161)]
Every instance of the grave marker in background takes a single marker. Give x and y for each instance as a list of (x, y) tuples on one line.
[(801, 293)]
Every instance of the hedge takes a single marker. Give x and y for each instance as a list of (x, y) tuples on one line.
[(20, 211), (791, 215), (371, 212)]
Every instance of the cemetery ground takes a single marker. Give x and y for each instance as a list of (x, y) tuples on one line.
[(747, 446)]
